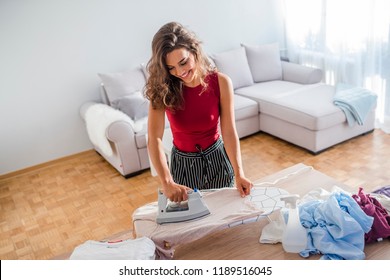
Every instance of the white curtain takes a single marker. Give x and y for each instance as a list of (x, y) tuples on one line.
[(348, 40)]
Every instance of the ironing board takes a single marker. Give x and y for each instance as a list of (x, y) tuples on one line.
[(242, 242), (227, 209)]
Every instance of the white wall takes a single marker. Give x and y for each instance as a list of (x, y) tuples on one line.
[(51, 50)]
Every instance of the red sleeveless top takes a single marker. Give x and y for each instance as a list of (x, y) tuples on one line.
[(197, 122)]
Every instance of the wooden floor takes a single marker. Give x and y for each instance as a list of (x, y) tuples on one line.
[(50, 210)]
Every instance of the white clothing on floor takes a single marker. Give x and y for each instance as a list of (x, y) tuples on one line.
[(132, 249)]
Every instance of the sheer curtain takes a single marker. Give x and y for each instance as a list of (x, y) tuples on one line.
[(348, 40)]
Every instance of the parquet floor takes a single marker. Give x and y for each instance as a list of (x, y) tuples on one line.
[(48, 211)]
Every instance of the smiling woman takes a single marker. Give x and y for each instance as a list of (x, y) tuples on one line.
[(197, 100), (181, 64)]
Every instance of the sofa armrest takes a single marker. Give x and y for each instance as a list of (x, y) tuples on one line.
[(130, 124), (122, 135), (301, 74), (114, 139), (100, 120), (120, 131)]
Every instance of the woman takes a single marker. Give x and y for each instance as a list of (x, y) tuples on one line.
[(195, 97)]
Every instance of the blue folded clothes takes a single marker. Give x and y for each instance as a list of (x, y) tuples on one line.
[(356, 102)]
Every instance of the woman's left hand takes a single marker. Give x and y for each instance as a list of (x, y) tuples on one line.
[(244, 186)]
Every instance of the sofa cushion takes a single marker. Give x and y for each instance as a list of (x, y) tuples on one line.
[(300, 74), (134, 105), (124, 83), (244, 107), (234, 63), (309, 106), (264, 62), (140, 138)]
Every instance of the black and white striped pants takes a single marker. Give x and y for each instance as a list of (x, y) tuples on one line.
[(208, 169)]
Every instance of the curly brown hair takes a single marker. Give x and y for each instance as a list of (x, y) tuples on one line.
[(163, 89)]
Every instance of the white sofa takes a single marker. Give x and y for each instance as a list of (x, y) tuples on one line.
[(283, 99), (293, 103)]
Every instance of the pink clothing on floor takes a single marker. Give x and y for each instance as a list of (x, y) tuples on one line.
[(371, 206)]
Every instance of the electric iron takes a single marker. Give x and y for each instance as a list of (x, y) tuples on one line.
[(173, 212)]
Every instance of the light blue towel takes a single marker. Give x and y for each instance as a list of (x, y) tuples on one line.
[(355, 102)]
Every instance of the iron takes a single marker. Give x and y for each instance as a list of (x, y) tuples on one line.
[(173, 212)]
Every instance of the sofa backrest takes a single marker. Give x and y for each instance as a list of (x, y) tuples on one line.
[(234, 63), (117, 85), (249, 64)]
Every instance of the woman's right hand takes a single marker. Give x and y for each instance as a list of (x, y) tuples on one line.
[(175, 192)]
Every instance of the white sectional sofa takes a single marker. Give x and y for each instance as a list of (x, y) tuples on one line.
[(293, 103), (283, 99)]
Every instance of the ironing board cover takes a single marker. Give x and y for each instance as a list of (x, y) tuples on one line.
[(227, 209)]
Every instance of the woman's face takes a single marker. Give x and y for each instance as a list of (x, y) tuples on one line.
[(181, 64)]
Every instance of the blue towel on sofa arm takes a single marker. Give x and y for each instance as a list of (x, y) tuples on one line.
[(356, 102)]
